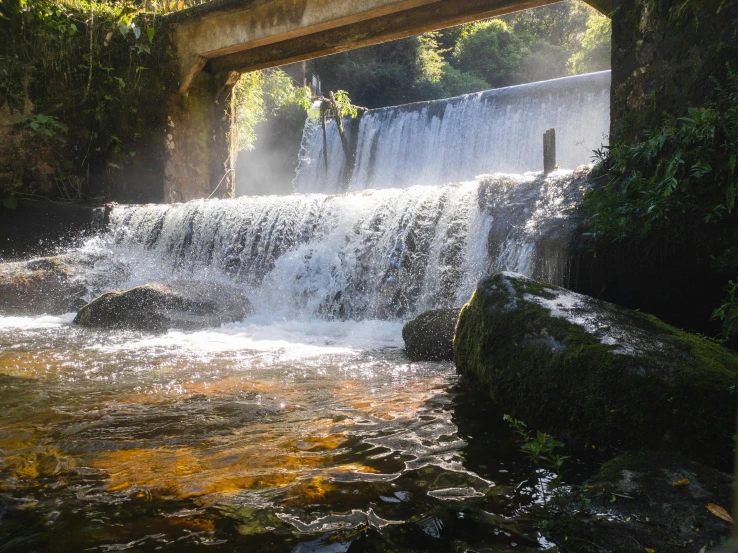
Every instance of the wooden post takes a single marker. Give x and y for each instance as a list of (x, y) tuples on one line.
[(549, 151)]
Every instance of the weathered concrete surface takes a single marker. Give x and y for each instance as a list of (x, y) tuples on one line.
[(667, 57), (255, 34), (199, 157)]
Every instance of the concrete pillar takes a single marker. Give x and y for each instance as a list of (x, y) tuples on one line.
[(198, 149)]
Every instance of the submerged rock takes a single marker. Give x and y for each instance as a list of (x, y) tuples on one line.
[(430, 336), (588, 370), (646, 501), (158, 307), (46, 285)]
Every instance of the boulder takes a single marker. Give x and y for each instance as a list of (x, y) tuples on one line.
[(646, 501), (594, 372), (45, 285), (157, 307), (430, 336)]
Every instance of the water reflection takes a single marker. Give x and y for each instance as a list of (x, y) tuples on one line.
[(240, 438)]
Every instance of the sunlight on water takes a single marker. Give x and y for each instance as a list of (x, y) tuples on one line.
[(265, 434)]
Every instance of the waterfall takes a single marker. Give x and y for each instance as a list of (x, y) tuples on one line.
[(401, 239), (459, 138), (384, 254)]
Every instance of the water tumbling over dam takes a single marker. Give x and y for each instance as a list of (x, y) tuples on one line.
[(459, 138), (384, 254), (304, 426)]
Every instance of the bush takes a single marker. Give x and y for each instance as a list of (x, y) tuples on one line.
[(595, 51), (491, 51), (682, 172)]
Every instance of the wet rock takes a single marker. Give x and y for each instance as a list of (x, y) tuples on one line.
[(590, 371), (633, 504), (430, 336), (46, 285), (158, 307)]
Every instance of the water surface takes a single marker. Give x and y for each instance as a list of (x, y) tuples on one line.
[(258, 436)]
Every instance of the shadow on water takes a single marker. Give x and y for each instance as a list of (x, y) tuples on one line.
[(448, 478)]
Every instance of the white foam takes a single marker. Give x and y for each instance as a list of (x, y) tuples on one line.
[(290, 339), (42, 321)]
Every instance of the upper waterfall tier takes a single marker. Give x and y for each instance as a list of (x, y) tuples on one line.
[(457, 139)]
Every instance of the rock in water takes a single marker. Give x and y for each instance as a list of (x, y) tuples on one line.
[(585, 369), (430, 336), (158, 307), (45, 285)]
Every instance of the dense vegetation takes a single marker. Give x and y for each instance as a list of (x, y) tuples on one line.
[(548, 42), (73, 74), (679, 179)]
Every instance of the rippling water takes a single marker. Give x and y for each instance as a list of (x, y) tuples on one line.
[(257, 436)]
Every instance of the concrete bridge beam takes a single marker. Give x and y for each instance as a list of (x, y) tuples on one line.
[(246, 35)]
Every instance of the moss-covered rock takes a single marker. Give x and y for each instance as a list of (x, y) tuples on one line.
[(588, 370), (157, 307), (45, 285), (647, 500), (430, 336)]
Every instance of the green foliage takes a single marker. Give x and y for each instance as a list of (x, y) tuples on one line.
[(455, 82), (542, 61), (46, 124), (430, 60), (93, 72), (681, 173), (539, 448), (594, 54), (522, 47), (490, 50), (728, 311), (262, 94)]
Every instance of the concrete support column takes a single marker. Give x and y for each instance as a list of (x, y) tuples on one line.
[(198, 149)]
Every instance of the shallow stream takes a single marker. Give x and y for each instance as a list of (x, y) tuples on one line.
[(257, 436)]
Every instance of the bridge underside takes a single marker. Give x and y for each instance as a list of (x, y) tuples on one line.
[(246, 35)]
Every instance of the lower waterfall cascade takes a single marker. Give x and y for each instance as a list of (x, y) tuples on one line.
[(383, 254)]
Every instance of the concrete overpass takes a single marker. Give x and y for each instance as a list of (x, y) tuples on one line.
[(217, 41)]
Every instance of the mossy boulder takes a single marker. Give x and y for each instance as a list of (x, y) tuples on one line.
[(651, 500), (46, 285), (430, 336), (594, 372), (157, 307)]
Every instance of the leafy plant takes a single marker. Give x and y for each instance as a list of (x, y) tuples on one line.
[(491, 50), (45, 124), (728, 311), (594, 54), (682, 172), (539, 447)]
